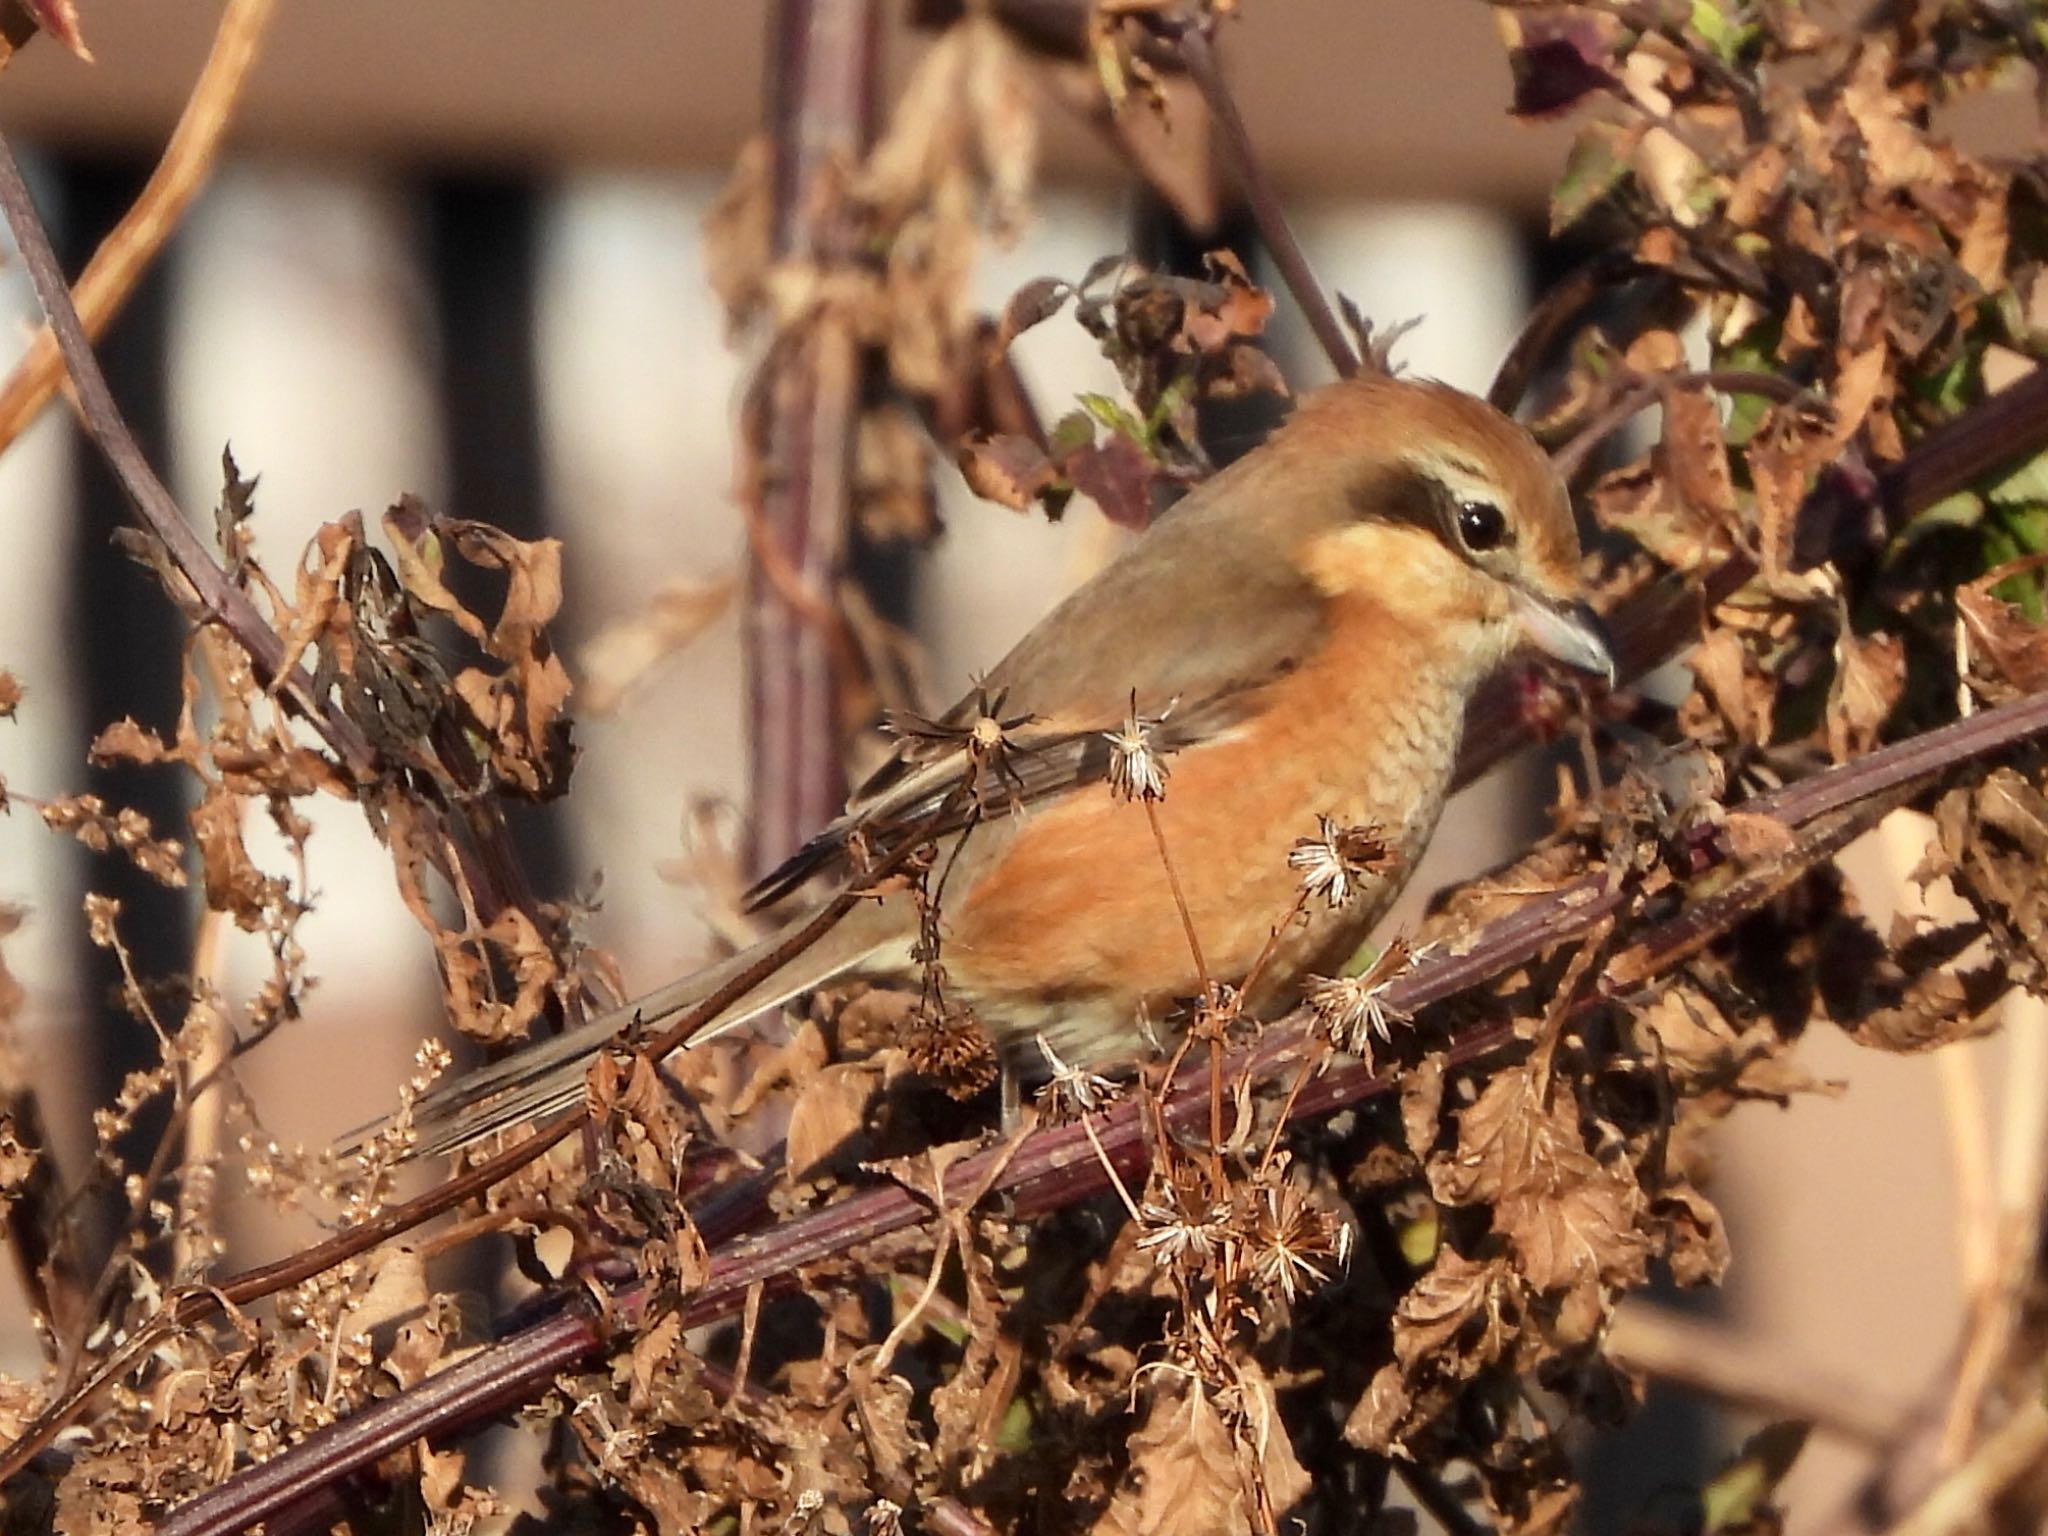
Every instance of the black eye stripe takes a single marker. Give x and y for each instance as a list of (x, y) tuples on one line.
[(1471, 522)]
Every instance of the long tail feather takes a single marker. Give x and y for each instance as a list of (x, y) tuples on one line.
[(548, 1077)]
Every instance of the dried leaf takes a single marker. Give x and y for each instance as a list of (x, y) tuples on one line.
[(1456, 1318), (1559, 63), (1115, 474), (1870, 679), (622, 653), (1569, 1218), (398, 1287), (59, 18), (1033, 304), (830, 1109), (1010, 470)]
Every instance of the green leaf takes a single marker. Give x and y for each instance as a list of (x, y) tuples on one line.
[(1171, 399), (1014, 1434), (1719, 32), (1957, 385), (1754, 351), (2027, 484), (1741, 1491), (1073, 430), (1419, 1239), (1965, 509), (1116, 416), (1591, 171), (2013, 533)]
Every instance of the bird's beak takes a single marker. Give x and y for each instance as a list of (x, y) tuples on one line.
[(1567, 634)]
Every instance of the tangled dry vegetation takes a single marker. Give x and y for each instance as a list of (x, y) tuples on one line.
[(1297, 1263)]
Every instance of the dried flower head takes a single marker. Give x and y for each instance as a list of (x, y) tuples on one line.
[(985, 739), (1173, 1233), (1071, 1092), (1295, 1244), (1137, 763), (949, 1045), (1353, 1009), (1336, 862)]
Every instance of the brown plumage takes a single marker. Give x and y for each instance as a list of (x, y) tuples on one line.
[(1310, 623)]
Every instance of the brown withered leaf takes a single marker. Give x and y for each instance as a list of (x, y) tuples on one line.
[(830, 1109), (622, 653), (522, 728), (1697, 457), (398, 1287), (1993, 839), (1570, 1219), (1705, 1053), (892, 477), (1458, 1317), (1559, 62), (655, 1350), (1190, 1474), (1896, 151), (1008, 469), (1033, 304), (1529, 1487), (1783, 460), (1754, 837), (1870, 678), (1236, 308), (2000, 631), (1695, 1238), (234, 883), (470, 965), (1114, 473), (1379, 1418), (1862, 381), (128, 742), (1641, 501), (895, 1443), (1721, 666), (1422, 1100), (739, 232), (1937, 1008), (2017, 808), (793, 1062)]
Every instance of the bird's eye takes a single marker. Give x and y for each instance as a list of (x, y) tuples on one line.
[(1482, 526)]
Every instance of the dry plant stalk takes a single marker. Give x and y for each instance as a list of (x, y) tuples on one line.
[(1200, 1299), (117, 266)]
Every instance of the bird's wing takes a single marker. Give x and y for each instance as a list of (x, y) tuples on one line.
[(1190, 622)]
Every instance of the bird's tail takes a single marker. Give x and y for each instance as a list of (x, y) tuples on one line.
[(548, 1077)]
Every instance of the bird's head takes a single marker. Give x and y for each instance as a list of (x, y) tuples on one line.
[(1432, 505)]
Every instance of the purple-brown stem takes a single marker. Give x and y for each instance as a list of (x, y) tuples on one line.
[(824, 64), (1191, 39)]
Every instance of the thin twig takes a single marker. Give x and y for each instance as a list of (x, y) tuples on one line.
[(132, 245), (1713, 1359), (1963, 1501), (217, 595), (1180, 901), (1437, 1499), (1190, 37)]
